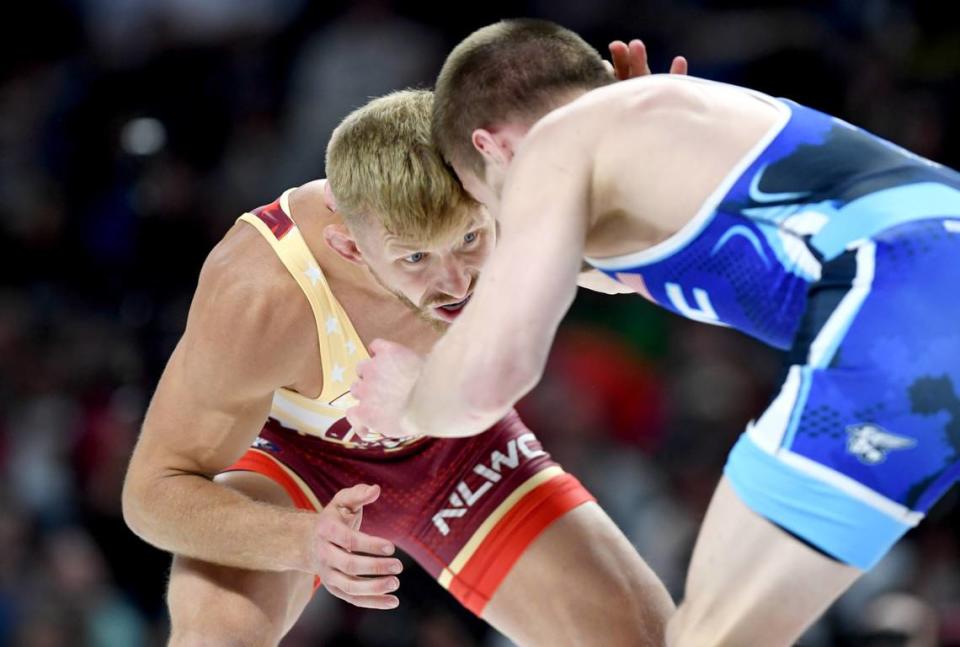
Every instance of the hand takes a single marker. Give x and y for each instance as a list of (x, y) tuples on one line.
[(351, 564), (382, 388), (630, 61)]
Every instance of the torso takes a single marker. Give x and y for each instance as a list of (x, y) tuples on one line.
[(737, 199), (342, 309), (650, 180)]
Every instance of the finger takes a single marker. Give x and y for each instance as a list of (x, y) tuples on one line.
[(356, 565), (363, 366), (607, 64), (367, 602), (354, 541), (356, 520), (355, 417), (380, 346), (638, 59), (360, 586), (358, 389), (354, 498), (395, 432), (679, 65), (620, 55)]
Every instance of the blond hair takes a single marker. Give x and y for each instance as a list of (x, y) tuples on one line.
[(513, 69), (381, 163)]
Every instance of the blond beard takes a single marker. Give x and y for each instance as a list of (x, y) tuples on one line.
[(437, 324)]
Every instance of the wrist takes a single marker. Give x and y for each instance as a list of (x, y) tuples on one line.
[(409, 424), (302, 553)]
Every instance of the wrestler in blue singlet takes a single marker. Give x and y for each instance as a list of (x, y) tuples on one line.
[(845, 249)]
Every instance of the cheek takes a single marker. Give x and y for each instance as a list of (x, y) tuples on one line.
[(483, 251), (412, 285)]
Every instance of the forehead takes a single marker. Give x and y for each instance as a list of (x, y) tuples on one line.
[(472, 218)]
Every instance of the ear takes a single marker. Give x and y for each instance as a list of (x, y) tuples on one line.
[(340, 239), (495, 148)]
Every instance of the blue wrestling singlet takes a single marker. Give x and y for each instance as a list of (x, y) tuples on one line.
[(845, 249)]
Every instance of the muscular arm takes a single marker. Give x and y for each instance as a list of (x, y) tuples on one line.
[(496, 350), (210, 404)]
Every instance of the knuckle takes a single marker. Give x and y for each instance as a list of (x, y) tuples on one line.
[(346, 539), (352, 566), (323, 557), (332, 583)]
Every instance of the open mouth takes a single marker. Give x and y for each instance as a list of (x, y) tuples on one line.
[(451, 311)]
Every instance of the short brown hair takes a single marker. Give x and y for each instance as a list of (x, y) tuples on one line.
[(507, 70), (381, 163)]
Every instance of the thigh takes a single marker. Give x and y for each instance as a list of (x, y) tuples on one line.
[(751, 583), (219, 605), (581, 582), (849, 455), (520, 543)]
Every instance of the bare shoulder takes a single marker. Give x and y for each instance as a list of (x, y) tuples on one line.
[(667, 143), (248, 312), (663, 103), (584, 123)]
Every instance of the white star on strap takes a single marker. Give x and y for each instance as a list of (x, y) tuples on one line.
[(313, 273), (351, 347), (337, 373), (333, 325)]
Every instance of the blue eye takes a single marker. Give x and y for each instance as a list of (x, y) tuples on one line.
[(471, 237), (414, 258)]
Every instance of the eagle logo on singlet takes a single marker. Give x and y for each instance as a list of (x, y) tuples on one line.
[(871, 443), (265, 445)]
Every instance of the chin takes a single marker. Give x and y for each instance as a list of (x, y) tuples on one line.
[(437, 323)]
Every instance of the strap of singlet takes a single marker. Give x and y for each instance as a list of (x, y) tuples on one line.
[(284, 236)]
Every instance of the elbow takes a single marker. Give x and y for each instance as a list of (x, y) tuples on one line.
[(130, 504), (134, 502), (493, 392)]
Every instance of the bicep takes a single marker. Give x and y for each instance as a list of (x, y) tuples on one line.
[(216, 390), (194, 424), (530, 280), (544, 221)]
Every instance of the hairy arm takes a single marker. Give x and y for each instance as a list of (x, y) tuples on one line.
[(210, 404), (496, 350)]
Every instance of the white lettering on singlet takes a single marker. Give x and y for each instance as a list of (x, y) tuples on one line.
[(465, 496), (704, 310)]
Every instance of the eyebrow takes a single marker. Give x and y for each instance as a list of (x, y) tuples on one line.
[(395, 243)]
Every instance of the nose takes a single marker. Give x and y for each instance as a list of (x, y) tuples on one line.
[(455, 280)]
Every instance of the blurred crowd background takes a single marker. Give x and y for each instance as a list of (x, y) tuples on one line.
[(133, 133)]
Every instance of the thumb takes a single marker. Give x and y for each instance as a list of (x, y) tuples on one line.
[(354, 498)]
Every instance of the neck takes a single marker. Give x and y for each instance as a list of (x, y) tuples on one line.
[(563, 98), (309, 210)]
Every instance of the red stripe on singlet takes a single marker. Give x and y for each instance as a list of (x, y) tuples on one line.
[(273, 217)]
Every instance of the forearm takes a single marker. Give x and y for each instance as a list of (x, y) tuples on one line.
[(464, 387), (191, 515), (446, 414)]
